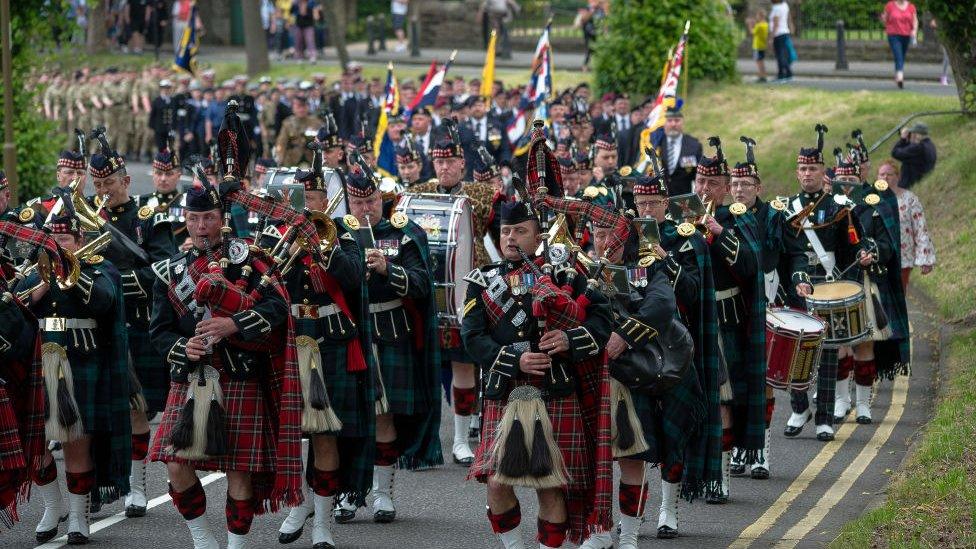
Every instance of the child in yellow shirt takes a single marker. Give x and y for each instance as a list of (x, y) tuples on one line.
[(759, 29)]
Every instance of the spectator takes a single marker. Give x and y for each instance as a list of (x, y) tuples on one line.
[(499, 13), (916, 152), (680, 152), (917, 249), (901, 25), (267, 22), (589, 20), (759, 29), (134, 15), (398, 14), (779, 26), (306, 13), (157, 17), (78, 12), (944, 78)]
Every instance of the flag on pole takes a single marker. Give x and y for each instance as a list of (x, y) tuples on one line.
[(383, 148), (431, 86), (667, 95), (488, 72), (537, 92), (186, 53)]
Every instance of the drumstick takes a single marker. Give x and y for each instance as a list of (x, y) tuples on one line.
[(769, 311)]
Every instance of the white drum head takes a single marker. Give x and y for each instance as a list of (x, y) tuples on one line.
[(794, 321)]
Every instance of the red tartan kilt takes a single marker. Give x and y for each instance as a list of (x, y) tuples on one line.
[(249, 438), (11, 448), (568, 430)]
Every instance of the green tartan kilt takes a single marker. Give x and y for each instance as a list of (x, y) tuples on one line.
[(397, 365), (91, 390), (671, 421), (734, 342), (150, 368)]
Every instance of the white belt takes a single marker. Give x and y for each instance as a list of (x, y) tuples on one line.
[(385, 306), (725, 294), (314, 311), (56, 324)]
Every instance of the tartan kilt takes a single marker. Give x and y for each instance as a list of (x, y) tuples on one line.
[(569, 432), (250, 444), (671, 421), (11, 447), (150, 368), (397, 366), (746, 399)]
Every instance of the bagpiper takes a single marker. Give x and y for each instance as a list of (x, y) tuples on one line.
[(140, 237), (22, 400), (404, 324), (538, 329), (733, 242), (85, 358), (820, 240), (220, 317), (449, 165), (746, 188), (328, 304)]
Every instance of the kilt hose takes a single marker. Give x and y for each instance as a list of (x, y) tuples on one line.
[(150, 368), (569, 432), (826, 389), (250, 444)]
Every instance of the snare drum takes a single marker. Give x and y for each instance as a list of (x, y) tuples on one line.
[(447, 222), (793, 343), (841, 305)]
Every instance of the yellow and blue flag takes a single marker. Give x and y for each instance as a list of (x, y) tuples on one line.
[(186, 53), (383, 148)]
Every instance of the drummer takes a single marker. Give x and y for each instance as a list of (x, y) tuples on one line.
[(449, 167), (746, 186), (734, 246), (819, 241), (880, 277)]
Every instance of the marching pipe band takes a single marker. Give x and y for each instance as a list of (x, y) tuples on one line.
[(619, 324)]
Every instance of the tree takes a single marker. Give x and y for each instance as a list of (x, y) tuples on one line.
[(97, 26), (255, 44), (336, 15), (630, 53), (957, 32)]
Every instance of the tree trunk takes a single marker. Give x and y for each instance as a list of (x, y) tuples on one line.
[(335, 16), (255, 43), (97, 29)]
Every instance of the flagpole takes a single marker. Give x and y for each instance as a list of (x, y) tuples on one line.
[(684, 63)]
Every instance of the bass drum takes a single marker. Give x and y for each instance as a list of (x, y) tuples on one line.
[(450, 237), (280, 180)]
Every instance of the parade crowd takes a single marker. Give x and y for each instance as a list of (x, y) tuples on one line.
[(591, 294)]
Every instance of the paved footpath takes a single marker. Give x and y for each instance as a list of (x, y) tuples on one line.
[(814, 490)]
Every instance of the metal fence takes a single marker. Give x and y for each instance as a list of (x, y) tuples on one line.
[(818, 21)]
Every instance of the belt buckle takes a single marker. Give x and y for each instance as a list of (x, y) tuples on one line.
[(54, 324), (308, 311), (813, 259)]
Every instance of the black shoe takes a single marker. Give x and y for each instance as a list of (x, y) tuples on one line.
[(323, 545), (466, 461), (791, 431), (133, 511), (285, 539), (737, 469), (76, 538), (717, 500), (47, 535), (825, 437), (666, 532), (343, 516), (864, 420), (759, 473), (384, 517)]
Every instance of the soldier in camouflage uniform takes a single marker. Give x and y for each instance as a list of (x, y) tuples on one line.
[(297, 130)]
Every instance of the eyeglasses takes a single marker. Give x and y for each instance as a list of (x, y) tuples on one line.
[(650, 203)]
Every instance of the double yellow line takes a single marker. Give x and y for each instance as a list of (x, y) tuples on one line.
[(838, 489)]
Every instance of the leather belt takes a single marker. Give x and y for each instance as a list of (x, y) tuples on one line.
[(385, 306), (314, 311), (57, 324), (725, 294)]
